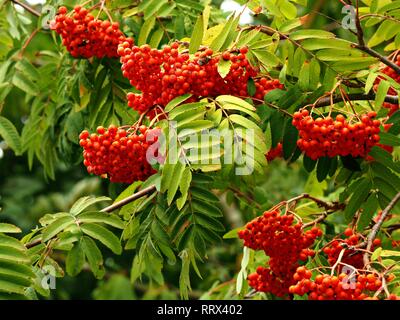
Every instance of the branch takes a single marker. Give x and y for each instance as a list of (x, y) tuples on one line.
[(326, 101), (26, 7), (377, 226), (109, 209), (328, 206), (376, 54), (322, 217), (360, 32)]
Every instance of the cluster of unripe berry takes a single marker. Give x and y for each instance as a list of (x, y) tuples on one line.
[(341, 287), (326, 137), (85, 36), (395, 76), (350, 255), (118, 154), (162, 75), (285, 242)]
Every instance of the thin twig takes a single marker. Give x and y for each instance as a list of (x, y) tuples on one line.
[(27, 42), (375, 229), (360, 32), (376, 54), (249, 199), (317, 220), (326, 101), (129, 199), (26, 7)]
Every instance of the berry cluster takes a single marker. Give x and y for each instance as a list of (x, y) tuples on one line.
[(285, 243), (162, 75), (86, 37), (341, 287), (274, 153), (350, 256), (118, 154), (325, 137), (392, 74)]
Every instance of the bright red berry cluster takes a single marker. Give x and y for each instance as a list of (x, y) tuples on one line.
[(118, 154), (325, 137), (162, 75), (285, 243), (86, 37), (274, 153), (341, 287), (394, 75), (350, 256)]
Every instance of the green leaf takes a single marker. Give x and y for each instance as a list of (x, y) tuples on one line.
[(323, 167), (175, 181), (385, 158), (10, 135), (174, 102), (224, 67), (304, 76), (11, 254), (247, 37), (251, 87), (381, 93), (389, 139), (194, 126), (206, 208), (244, 122), (288, 9), (56, 227), (311, 33), (368, 210), (94, 256), (105, 236), (147, 26), (209, 222), (184, 278), (376, 254), (266, 58), (152, 8), (75, 259), (25, 67), (289, 142), (84, 202), (184, 185), (15, 269), (197, 35), (156, 38), (318, 44), (102, 217), (226, 99), (390, 253), (25, 84), (233, 234), (357, 199), (370, 81), (218, 43), (11, 287), (9, 228)]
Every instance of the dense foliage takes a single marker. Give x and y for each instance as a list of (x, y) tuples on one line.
[(164, 149)]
